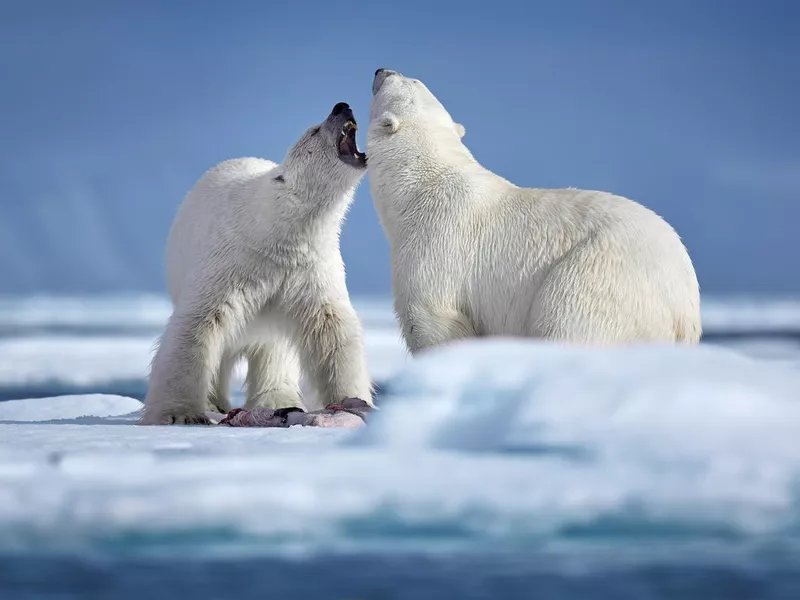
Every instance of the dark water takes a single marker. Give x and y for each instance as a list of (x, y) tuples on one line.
[(381, 578)]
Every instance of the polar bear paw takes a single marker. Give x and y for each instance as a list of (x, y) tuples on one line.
[(218, 406), (174, 418), (275, 399)]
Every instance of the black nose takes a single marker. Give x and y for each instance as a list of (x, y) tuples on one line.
[(379, 71), (339, 108)]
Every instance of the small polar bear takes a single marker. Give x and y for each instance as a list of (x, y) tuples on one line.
[(254, 270), (475, 255)]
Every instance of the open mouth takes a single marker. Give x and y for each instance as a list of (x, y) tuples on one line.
[(348, 148)]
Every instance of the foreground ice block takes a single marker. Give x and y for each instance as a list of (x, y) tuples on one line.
[(634, 403)]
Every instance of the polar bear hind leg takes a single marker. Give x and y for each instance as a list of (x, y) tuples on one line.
[(589, 297), (429, 328), (273, 375)]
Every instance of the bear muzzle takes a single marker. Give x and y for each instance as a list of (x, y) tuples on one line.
[(342, 107), (380, 77), (343, 122)]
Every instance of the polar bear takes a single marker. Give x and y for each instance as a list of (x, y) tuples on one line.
[(254, 269), (475, 255)]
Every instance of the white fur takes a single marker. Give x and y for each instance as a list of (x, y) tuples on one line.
[(254, 269), (475, 255)]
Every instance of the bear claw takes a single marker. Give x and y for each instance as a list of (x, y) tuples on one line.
[(172, 419)]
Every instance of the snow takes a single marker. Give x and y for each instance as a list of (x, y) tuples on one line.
[(496, 395), (509, 445), (99, 311), (68, 407), (751, 313), (73, 360)]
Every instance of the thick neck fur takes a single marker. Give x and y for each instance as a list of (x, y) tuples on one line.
[(303, 212), (416, 172)]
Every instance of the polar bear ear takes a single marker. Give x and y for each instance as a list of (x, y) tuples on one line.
[(460, 129), (390, 122)]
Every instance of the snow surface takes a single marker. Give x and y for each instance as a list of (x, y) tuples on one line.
[(74, 360), (743, 314), (67, 408), (508, 445), (46, 311)]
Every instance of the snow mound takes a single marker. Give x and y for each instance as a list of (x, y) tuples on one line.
[(68, 408), (634, 404)]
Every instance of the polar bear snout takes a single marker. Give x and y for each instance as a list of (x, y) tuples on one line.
[(380, 77), (342, 123), (341, 107), (341, 118)]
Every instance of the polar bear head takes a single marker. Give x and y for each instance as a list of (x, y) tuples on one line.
[(401, 103), (326, 157)]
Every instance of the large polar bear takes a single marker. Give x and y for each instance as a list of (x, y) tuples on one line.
[(254, 269), (475, 255)]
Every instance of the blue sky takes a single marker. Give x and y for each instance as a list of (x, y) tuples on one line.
[(110, 111)]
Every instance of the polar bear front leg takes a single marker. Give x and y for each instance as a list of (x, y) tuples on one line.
[(426, 327), (333, 350), (189, 353), (180, 378)]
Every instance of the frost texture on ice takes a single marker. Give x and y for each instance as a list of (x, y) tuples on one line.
[(486, 444)]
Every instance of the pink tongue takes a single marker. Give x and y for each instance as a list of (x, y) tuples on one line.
[(348, 146)]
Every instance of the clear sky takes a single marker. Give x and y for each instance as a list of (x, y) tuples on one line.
[(110, 111)]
